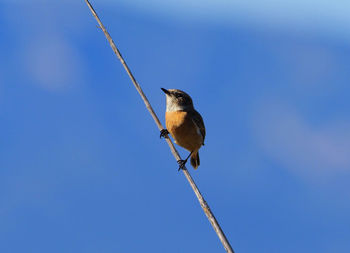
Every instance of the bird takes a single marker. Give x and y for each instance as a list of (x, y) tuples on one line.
[(184, 124)]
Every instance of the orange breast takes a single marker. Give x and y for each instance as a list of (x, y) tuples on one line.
[(183, 130)]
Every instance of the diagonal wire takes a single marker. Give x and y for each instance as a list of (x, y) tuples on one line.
[(201, 200)]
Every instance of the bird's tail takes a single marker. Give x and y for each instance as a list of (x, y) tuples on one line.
[(195, 160)]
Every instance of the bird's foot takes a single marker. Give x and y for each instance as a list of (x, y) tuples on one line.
[(182, 164), (163, 133)]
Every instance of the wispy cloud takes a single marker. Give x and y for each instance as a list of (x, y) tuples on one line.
[(331, 17), (314, 151), (299, 15), (42, 48), (52, 63), (310, 66)]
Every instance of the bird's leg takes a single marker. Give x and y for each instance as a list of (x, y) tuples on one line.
[(183, 162), (163, 133)]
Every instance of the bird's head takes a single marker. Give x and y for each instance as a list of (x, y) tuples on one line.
[(177, 100)]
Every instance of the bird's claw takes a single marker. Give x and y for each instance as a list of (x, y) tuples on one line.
[(163, 133), (182, 164)]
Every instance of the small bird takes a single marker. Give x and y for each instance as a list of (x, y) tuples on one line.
[(184, 124)]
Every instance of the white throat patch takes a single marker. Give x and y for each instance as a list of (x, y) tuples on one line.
[(173, 107)]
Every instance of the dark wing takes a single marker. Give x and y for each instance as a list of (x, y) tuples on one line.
[(198, 121)]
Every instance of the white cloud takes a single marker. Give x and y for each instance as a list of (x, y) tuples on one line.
[(307, 150), (52, 63), (310, 66), (300, 15), (331, 17), (42, 47)]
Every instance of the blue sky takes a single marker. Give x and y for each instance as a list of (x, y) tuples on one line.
[(82, 168)]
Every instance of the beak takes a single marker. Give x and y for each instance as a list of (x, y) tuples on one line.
[(165, 91)]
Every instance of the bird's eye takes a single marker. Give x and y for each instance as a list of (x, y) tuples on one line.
[(178, 95)]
